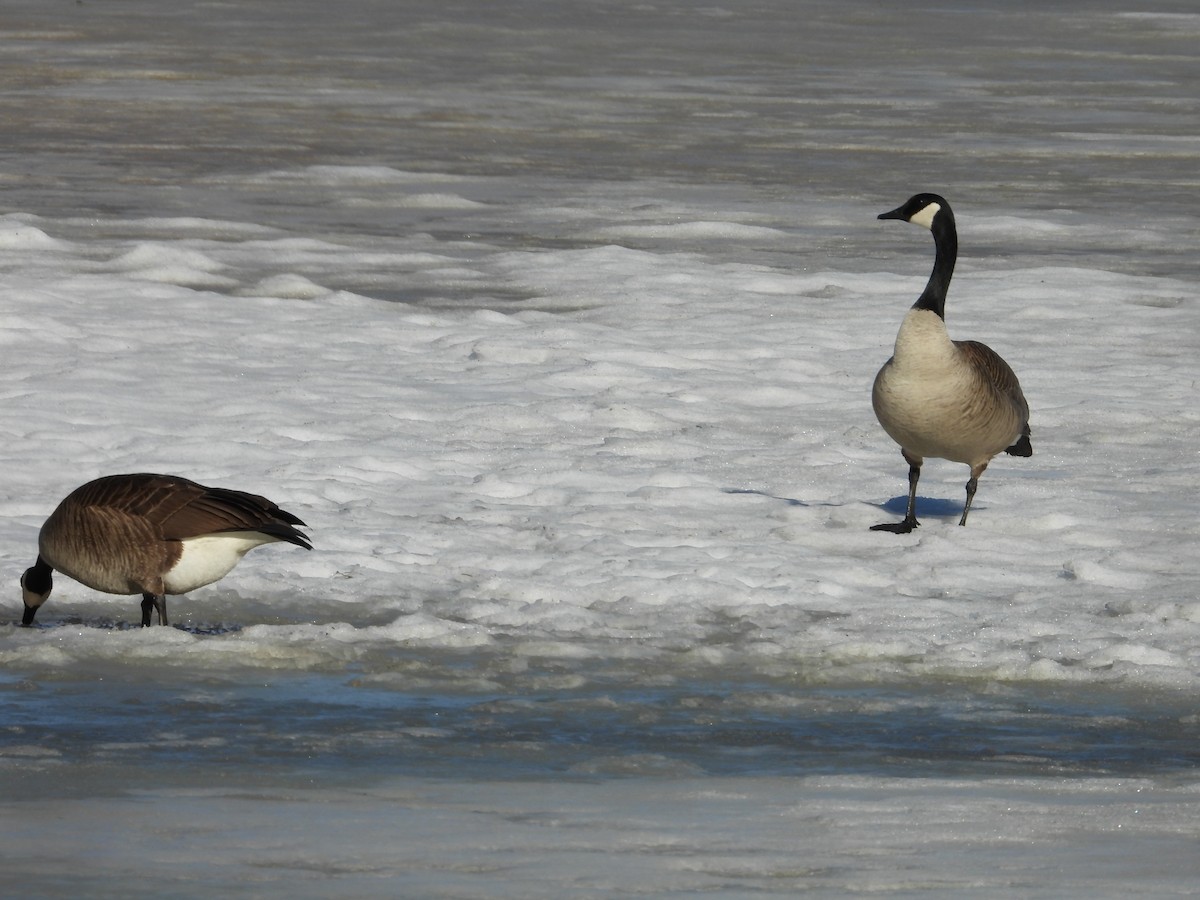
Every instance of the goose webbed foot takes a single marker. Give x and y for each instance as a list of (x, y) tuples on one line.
[(904, 526), (909, 522)]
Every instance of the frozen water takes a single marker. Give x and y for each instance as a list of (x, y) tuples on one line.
[(557, 323)]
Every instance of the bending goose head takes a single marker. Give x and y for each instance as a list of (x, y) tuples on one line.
[(36, 584)]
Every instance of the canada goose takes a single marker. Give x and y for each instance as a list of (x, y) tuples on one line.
[(151, 534), (955, 400)]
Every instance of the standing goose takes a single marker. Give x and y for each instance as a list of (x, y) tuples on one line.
[(955, 400), (151, 535)]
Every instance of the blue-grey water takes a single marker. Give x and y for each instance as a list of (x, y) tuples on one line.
[(120, 113), (299, 729)]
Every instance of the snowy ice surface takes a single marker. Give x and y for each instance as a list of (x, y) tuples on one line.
[(655, 455), (556, 322)]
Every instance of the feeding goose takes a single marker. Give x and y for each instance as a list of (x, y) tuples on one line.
[(955, 400), (152, 535)]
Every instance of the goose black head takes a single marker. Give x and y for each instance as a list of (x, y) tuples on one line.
[(36, 584), (922, 209)]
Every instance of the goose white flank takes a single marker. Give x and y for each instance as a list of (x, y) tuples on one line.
[(557, 323)]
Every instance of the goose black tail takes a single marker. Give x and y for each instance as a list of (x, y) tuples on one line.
[(1021, 447), (286, 533)]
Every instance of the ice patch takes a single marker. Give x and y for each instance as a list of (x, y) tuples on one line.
[(295, 287), (17, 235), (688, 231), (332, 175), (171, 264)]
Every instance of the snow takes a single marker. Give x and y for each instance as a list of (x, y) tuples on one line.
[(563, 350), (689, 437)]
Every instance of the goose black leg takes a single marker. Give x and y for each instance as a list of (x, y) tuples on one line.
[(909, 522), (976, 471), (152, 601)]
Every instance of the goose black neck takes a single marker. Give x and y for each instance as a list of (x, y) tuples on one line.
[(945, 240), (39, 577)]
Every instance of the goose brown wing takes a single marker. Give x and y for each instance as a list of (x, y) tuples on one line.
[(178, 508), (1003, 380), (221, 509), (998, 374), (150, 497)]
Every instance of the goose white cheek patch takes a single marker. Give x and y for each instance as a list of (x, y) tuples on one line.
[(925, 216)]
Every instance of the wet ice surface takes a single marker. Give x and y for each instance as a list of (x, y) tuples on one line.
[(674, 837), (311, 786), (331, 730), (556, 322)]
